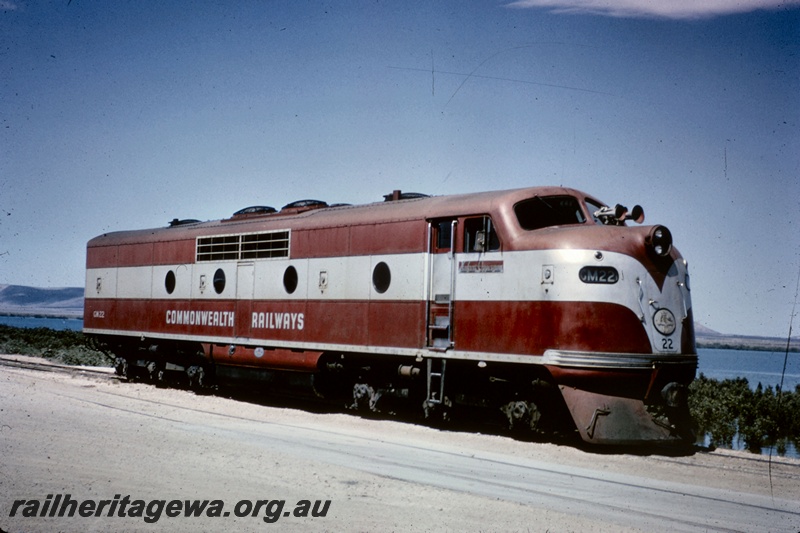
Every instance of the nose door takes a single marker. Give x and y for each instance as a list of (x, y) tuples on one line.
[(245, 283)]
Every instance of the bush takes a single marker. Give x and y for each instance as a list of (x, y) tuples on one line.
[(730, 410), (66, 347)]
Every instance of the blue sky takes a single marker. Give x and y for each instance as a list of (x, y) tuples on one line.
[(123, 115)]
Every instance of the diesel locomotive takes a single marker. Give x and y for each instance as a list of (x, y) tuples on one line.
[(542, 306)]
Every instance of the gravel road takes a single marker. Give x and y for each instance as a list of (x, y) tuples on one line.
[(96, 439)]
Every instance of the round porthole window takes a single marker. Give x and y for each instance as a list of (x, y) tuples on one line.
[(219, 281), (169, 282), (381, 277), (290, 279)]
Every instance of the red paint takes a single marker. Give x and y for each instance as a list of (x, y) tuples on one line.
[(522, 328), (533, 327), (101, 256), (361, 323), (270, 359)]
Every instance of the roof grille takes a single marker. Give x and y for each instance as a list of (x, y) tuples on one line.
[(266, 245)]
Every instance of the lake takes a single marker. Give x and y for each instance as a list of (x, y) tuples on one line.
[(757, 367), (42, 322)]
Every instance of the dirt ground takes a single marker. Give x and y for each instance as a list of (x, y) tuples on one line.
[(101, 439)]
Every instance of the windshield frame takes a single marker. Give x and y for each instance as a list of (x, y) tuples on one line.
[(555, 210)]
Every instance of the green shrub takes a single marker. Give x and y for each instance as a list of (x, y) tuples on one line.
[(66, 347), (730, 410)]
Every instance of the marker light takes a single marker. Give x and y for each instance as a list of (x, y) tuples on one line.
[(660, 241)]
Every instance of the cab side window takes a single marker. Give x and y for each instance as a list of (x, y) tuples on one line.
[(443, 229), (480, 235)]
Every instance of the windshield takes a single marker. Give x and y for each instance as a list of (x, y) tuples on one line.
[(545, 211), (593, 209)]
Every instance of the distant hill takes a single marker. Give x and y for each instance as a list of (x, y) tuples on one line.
[(23, 300), (746, 342), (708, 338), (701, 331)]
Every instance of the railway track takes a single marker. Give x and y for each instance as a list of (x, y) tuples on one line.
[(41, 365), (279, 397)]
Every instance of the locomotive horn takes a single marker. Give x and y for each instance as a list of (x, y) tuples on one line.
[(619, 212), (637, 214)]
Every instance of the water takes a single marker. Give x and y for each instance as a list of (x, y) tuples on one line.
[(75, 324), (757, 367)]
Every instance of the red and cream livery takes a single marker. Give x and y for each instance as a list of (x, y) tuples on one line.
[(538, 303)]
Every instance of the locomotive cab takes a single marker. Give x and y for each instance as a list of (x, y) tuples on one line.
[(622, 351)]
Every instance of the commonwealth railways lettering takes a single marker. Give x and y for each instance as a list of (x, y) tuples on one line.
[(200, 318), (278, 321), (227, 319)]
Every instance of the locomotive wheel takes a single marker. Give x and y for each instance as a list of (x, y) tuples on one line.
[(522, 415), (438, 412), (152, 371), (387, 399), (365, 398), (535, 409), (196, 376), (121, 367)]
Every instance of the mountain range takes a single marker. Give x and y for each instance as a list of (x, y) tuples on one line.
[(23, 300)]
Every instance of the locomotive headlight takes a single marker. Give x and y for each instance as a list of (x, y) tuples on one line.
[(660, 241)]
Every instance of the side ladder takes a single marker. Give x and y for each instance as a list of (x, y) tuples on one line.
[(435, 380)]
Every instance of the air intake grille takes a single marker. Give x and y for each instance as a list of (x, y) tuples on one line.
[(242, 247)]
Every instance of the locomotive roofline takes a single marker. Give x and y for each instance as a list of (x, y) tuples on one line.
[(497, 204), (404, 210)]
